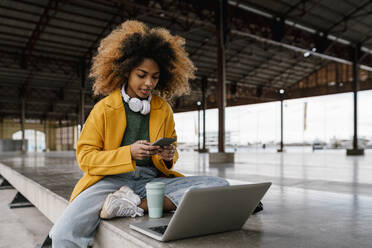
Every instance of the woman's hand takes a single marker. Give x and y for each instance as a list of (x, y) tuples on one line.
[(142, 149), (167, 152)]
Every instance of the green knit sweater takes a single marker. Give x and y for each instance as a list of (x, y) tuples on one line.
[(137, 129)]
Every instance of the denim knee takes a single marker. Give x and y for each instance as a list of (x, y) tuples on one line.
[(219, 181)]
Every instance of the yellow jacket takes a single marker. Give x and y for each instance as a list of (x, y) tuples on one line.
[(98, 150)]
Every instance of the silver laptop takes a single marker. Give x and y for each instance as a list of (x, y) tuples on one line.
[(205, 211)]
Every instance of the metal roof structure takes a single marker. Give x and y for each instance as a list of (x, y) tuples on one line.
[(305, 47)]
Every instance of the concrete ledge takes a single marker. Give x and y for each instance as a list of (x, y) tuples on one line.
[(52, 206), (114, 233), (48, 202), (221, 157), (354, 152)]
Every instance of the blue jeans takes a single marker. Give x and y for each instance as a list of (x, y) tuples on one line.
[(79, 222)]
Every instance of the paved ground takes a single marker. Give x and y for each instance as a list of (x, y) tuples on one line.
[(20, 227), (320, 199), (323, 170)]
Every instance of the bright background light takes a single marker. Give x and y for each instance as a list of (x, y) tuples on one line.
[(327, 117)]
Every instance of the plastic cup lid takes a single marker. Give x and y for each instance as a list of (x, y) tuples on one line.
[(155, 185)]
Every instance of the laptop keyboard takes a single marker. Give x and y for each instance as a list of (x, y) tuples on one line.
[(159, 229)]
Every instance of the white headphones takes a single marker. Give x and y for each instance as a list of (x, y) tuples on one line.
[(135, 104)]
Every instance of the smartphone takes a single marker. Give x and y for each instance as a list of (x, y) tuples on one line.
[(163, 142)]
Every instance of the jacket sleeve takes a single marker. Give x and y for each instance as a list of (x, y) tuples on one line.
[(170, 131), (90, 153)]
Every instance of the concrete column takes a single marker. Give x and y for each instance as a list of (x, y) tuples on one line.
[(23, 115), (221, 84), (355, 94), (68, 137), (1, 128), (281, 127), (82, 106), (198, 105), (82, 89), (35, 141), (52, 136), (61, 135), (355, 150), (222, 33), (46, 135), (204, 106)]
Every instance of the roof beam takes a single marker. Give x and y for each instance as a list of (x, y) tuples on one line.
[(298, 49), (23, 11), (348, 16), (42, 101), (39, 28), (286, 71), (202, 44), (266, 14), (255, 68), (34, 113), (107, 27), (292, 8), (326, 89), (70, 89)]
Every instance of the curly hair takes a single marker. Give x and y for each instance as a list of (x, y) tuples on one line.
[(128, 45)]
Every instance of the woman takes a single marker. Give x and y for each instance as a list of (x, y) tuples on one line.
[(114, 150)]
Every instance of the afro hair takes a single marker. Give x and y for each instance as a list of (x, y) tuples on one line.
[(128, 45)]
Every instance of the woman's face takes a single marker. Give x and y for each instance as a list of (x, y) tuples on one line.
[(143, 79)]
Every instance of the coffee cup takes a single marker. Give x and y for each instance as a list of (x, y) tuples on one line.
[(155, 198)]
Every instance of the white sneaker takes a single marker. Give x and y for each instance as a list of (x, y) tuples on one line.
[(128, 193), (122, 203)]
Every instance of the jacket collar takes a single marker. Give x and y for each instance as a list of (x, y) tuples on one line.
[(115, 101)]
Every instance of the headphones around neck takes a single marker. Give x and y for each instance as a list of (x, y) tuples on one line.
[(135, 104)]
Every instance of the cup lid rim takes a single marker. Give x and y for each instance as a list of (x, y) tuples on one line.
[(155, 185)]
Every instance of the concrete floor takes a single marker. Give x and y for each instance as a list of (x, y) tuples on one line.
[(320, 199), (20, 227), (322, 170)]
